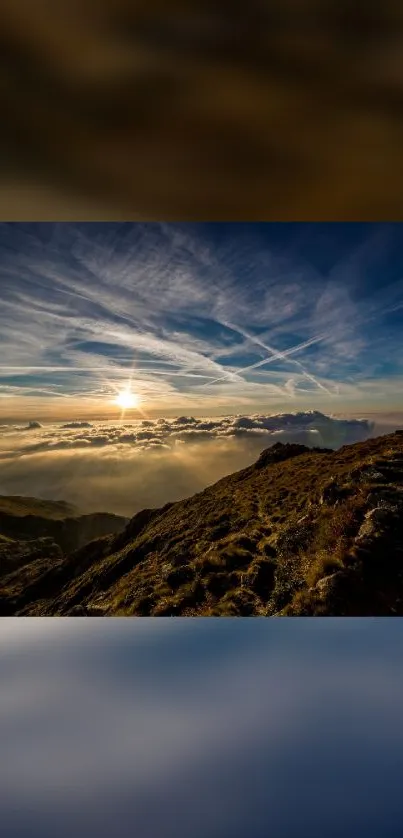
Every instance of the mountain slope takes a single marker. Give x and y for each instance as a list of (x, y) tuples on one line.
[(33, 529), (302, 531), (19, 507)]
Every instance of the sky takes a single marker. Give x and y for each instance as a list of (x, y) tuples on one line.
[(226, 728), (202, 319)]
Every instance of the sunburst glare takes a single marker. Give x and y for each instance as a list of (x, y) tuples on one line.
[(127, 400)]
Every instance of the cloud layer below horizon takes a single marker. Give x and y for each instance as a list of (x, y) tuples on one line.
[(125, 467)]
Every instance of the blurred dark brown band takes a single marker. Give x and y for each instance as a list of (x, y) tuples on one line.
[(282, 111)]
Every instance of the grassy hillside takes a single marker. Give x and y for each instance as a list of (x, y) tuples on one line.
[(51, 509), (300, 532)]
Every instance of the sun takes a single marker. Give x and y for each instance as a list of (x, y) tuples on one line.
[(126, 400)]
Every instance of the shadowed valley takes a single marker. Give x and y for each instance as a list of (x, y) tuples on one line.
[(34, 532)]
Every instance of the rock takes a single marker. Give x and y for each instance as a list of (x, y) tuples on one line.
[(326, 585), (374, 520), (332, 493), (280, 452), (378, 520), (372, 474), (384, 496)]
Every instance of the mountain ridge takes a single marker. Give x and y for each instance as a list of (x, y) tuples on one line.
[(32, 529), (302, 531)]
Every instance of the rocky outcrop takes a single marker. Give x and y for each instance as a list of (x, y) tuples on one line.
[(332, 493), (280, 452)]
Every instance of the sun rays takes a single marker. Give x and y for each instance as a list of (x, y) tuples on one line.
[(127, 400)]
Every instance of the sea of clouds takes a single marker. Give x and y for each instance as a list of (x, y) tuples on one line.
[(123, 467), (219, 728)]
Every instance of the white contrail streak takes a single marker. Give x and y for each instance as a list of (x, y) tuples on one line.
[(277, 354), (274, 356)]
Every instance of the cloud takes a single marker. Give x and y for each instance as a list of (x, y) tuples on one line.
[(70, 425), (87, 308), (329, 430), (122, 468), (275, 355), (178, 727), (32, 426)]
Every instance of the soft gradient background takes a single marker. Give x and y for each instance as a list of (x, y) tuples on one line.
[(165, 109), (225, 728)]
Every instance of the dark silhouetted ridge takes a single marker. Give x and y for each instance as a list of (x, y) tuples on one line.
[(281, 452)]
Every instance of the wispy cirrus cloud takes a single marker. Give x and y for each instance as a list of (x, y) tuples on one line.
[(194, 315)]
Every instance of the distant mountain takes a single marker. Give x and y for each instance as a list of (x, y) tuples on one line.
[(301, 532), (33, 529)]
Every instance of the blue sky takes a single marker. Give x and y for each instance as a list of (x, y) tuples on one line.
[(200, 318), (225, 728)]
